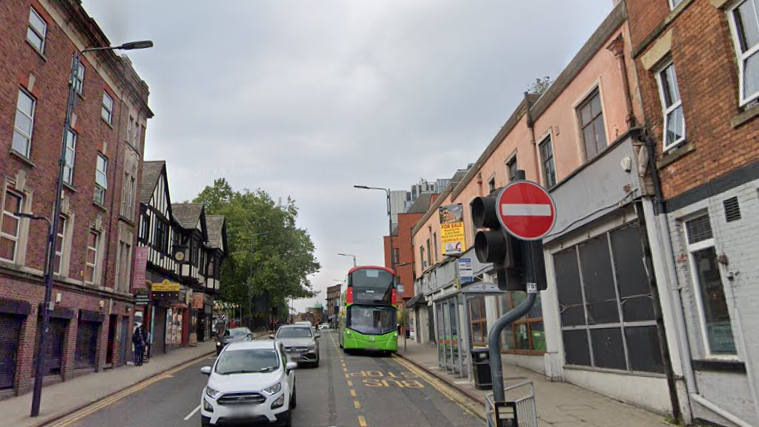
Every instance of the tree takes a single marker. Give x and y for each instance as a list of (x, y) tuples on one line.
[(269, 258), (541, 85)]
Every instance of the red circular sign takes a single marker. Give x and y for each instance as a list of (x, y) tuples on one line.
[(526, 210)]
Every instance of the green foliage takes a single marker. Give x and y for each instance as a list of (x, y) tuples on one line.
[(282, 255), (541, 85)]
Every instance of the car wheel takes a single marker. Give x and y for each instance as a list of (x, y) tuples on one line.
[(205, 421), (289, 419), (316, 364), (294, 399)]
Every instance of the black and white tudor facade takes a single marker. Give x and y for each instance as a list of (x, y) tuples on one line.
[(185, 249)]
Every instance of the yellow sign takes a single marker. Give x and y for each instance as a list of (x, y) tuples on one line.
[(165, 286), (452, 235)]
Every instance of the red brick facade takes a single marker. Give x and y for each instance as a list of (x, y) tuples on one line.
[(720, 137), (44, 75)]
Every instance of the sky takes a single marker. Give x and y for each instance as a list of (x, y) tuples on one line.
[(307, 98)]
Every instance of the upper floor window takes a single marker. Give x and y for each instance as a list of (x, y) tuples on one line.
[(744, 22), (144, 227), (10, 226), (592, 125), (91, 266), (421, 257), (491, 185), (68, 167), (101, 179), (79, 79), (107, 110), (22, 132), (60, 245), (674, 3), (511, 168), (546, 158), (672, 106), (434, 244), (36, 31)]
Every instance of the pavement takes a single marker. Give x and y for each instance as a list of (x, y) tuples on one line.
[(356, 390), (558, 404), (66, 397)]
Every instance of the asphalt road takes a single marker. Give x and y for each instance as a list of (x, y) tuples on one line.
[(345, 390)]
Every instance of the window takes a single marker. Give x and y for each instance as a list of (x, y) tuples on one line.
[(491, 185), (479, 321), (79, 79), (127, 196), (744, 23), (144, 227), (592, 125), (674, 3), (60, 246), (421, 257), (549, 167), (68, 167), (434, 240), (396, 256), (672, 106), (511, 168), (101, 179), (605, 303), (10, 226), (161, 242), (36, 31), (709, 292), (123, 264), (526, 335), (22, 135), (130, 131), (107, 112), (90, 269), (429, 255)]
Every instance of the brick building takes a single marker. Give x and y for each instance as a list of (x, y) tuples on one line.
[(698, 84), (333, 300), (91, 322)]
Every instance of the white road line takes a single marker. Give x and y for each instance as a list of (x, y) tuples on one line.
[(525, 210), (197, 408)]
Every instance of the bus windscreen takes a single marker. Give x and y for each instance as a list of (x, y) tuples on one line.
[(372, 320), (372, 287)]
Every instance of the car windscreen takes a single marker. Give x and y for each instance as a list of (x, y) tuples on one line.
[(247, 361), (372, 320), (238, 332), (304, 332), (372, 286)]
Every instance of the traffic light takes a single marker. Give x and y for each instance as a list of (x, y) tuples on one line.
[(506, 252)]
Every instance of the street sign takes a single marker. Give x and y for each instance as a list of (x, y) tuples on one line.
[(526, 210)]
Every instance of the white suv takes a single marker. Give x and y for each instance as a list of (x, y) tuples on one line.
[(250, 382)]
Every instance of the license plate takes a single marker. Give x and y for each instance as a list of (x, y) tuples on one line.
[(240, 411)]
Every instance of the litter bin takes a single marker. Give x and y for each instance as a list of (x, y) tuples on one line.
[(481, 364)]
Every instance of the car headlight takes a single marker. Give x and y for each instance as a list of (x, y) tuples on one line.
[(212, 393), (207, 406), (347, 332), (218, 343), (273, 389), (312, 347)]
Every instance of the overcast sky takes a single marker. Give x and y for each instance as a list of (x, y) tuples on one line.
[(306, 98)]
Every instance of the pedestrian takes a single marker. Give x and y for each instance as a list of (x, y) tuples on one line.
[(146, 341), (139, 346)]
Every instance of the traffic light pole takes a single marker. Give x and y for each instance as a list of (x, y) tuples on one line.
[(494, 339)]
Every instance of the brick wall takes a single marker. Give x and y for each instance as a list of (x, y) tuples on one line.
[(704, 58)]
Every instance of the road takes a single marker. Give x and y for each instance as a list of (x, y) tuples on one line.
[(345, 390)]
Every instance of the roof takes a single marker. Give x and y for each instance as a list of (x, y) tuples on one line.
[(250, 345), (370, 267), (421, 204), (458, 176), (187, 214), (151, 171), (215, 226)]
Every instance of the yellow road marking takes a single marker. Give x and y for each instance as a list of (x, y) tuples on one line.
[(350, 383), (356, 404), (353, 393), (361, 421), (470, 407), (345, 369), (347, 376)]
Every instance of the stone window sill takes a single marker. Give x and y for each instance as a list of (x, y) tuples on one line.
[(23, 158), (99, 206), (69, 187), (37, 51), (675, 154), (745, 117)]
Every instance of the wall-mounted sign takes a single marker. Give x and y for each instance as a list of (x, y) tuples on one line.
[(466, 273), (197, 301), (165, 286), (482, 288), (452, 234), (140, 265)]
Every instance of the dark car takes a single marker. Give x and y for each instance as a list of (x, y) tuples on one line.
[(233, 335), (300, 343)]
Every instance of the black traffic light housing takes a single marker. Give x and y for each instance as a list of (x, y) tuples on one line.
[(507, 253)]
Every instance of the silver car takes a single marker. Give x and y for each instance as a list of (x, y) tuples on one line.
[(301, 344)]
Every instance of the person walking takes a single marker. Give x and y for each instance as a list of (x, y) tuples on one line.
[(139, 346), (146, 343)]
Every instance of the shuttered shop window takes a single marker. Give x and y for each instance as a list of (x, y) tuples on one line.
[(86, 344), (10, 329)]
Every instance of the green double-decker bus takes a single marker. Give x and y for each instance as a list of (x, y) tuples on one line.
[(368, 310)]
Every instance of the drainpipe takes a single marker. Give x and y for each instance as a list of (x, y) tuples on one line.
[(531, 126)]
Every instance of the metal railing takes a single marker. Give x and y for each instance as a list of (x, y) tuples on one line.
[(518, 409)]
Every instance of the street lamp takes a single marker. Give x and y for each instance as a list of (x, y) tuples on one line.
[(389, 221), (53, 227), (350, 255)]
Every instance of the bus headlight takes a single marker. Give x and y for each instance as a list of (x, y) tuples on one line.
[(347, 332)]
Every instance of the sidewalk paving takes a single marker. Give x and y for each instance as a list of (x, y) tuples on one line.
[(66, 397), (559, 404)]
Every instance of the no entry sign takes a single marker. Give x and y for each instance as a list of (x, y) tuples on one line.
[(526, 210)]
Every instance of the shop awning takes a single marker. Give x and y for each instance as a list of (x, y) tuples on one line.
[(416, 300)]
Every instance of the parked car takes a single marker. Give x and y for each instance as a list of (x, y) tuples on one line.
[(233, 335), (324, 326), (250, 382), (300, 342)]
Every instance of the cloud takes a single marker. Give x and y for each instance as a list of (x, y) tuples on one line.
[(307, 98)]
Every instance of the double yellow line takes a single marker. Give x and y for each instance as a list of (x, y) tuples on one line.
[(102, 403)]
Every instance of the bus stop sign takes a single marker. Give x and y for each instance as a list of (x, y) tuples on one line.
[(526, 210)]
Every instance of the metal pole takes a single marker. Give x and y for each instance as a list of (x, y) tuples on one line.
[(250, 283), (53, 228)]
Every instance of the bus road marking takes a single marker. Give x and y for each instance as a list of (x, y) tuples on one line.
[(347, 376), (350, 383), (361, 421), (356, 404), (371, 382), (353, 393)]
